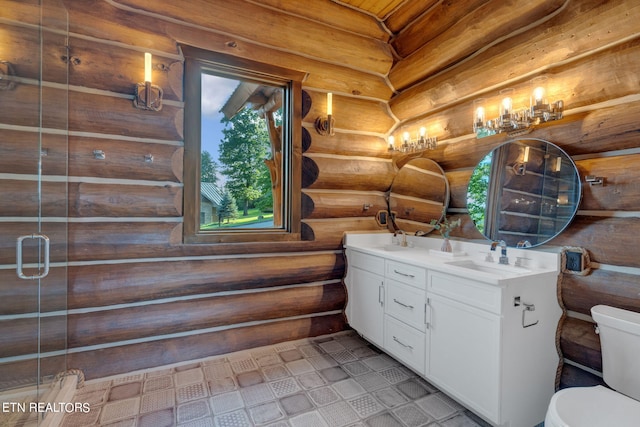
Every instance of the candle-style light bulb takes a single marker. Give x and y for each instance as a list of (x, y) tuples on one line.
[(480, 116), (538, 94), (507, 104), (423, 132), (525, 157), (405, 137), (329, 104), (392, 141), (147, 67)]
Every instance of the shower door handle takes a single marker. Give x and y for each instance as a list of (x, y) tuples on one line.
[(19, 256)]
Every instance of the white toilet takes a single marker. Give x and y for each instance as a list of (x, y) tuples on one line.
[(600, 406)]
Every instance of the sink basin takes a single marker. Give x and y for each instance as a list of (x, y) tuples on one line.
[(499, 270), (395, 248)]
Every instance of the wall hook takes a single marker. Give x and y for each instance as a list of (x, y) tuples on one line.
[(594, 180), (99, 155), (148, 158)]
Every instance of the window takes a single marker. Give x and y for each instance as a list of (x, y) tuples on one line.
[(242, 150)]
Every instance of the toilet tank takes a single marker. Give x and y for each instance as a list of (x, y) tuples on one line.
[(620, 342)]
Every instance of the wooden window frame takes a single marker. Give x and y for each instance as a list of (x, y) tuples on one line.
[(197, 60)]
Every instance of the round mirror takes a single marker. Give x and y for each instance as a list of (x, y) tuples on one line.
[(419, 193), (524, 192)]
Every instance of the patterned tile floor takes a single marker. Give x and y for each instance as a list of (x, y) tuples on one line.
[(331, 381)]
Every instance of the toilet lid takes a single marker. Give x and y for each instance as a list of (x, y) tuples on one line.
[(594, 407)]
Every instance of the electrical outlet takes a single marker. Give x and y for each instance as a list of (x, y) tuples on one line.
[(574, 261)]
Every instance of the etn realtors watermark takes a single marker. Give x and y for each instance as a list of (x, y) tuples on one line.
[(46, 407)]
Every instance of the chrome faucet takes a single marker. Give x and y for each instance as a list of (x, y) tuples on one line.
[(403, 243), (504, 259), (503, 251)]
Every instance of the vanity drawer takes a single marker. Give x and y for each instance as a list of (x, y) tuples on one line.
[(406, 304), (484, 296), (366, 262), (405, 273), (405, 343)]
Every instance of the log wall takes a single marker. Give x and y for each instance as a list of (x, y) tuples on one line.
[(132, 286), (589, 50), (397, 72)]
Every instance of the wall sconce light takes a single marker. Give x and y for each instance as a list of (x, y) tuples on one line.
[(324, 125), (421, 142), (6, 70), (148, 96), (515, 121)]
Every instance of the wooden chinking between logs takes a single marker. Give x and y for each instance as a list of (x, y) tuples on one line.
[(422, 63)]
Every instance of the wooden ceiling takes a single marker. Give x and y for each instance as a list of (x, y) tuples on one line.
[(395, 14)]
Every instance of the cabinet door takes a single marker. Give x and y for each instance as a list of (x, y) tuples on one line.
[(464, 354), (366, 304)]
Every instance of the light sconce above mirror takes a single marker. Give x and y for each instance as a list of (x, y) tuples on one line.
[(148, 96), (421, 142), (324, 125), (517, 121)]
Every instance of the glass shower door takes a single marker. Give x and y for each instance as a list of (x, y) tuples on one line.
[(33, 207)]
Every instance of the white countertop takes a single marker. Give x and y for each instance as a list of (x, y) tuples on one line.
[(466, 260)]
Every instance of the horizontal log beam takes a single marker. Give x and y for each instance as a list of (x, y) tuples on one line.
[(116, 116), (31, 251), (23, 41), (346, 144), (108, 326), (20, 153), (331, 231), (580, 293), (346, 173), (94, 65), (30, 198), (31, 335), (351, 114), (125, 159), (604, 238), (338, 46), (104, 200), (102, 285), (415, 209), (336, 204), (458, 186), (19, 296), (621, 191), (126, 240), (580, 343), (22, 107), (117, 360), (24, 373)]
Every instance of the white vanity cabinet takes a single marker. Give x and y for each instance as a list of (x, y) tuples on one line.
[(386, 304), (488, 351), (365, 290), (405, 314), (465, 341), (481, 332)]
